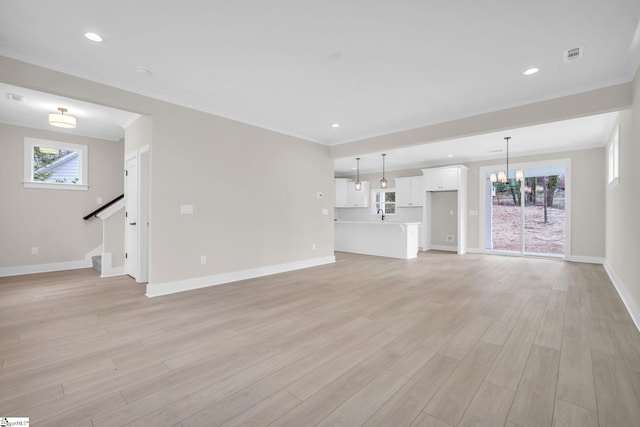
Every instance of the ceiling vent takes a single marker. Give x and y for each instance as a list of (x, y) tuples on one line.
[(15, 97), (573, 54)]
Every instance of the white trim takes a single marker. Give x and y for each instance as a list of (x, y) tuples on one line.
[(585, 259), (443, 248), (55, 186), (158, 289), (474, 251), (627, 299), (44, 268)]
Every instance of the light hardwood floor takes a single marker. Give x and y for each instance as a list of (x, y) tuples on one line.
[(441, 340)]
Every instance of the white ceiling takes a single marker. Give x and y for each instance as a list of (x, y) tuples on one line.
[(576, 134), (298, 66), (33, 110)]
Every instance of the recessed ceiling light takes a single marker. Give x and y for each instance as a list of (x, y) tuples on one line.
[(93, 37), (335, 125), (143, 71), (449, 155), (531, 71)]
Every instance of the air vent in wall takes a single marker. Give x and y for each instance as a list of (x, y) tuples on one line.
[(573, 54), (15, 97)]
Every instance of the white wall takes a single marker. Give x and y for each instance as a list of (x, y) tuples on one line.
[(52, 219), (253, 190), (623, 206), (113, 238)]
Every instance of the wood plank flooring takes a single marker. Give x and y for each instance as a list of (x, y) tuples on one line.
[(441, 340)]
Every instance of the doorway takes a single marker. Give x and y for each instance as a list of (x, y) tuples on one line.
[(529, 217)]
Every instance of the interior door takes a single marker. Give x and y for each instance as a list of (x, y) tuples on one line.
[(131, 217)]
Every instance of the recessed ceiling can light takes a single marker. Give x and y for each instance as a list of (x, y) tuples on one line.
[(143, 71), (449, 155), (335, 125), (94, 37), (531, 71)]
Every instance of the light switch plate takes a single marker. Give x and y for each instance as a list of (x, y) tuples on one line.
[(186, 209)]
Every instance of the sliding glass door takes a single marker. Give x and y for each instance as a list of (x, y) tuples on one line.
[(528, 217)]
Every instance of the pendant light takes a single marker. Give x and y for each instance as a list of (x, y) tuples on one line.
[(358, 183), (503, 176), (62, 121), (383, 181)]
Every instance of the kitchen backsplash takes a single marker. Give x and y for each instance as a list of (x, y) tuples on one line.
[(365, 214)]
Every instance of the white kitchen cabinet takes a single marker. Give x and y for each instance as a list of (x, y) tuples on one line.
[(341, 192), (346, 195), (441, 179), (409, 191)]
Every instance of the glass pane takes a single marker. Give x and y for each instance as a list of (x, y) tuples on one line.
[(506, 217), (55, 165), (390, 196), (544, 216), (390, 208)]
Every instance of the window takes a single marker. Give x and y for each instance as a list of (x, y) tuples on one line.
[(385, 202), (55, 165), (614, 158)]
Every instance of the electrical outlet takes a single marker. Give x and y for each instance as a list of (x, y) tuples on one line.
[(34, 250), (203, 259), (99, 200), (319, 195), (313, 246), (449, 238)]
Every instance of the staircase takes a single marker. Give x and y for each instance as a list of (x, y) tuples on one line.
[(97, 263)]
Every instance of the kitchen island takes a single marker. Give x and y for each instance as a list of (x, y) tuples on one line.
[(381, 238)]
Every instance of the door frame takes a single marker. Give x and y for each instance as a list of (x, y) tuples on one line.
[(142, 157), (484, 171)]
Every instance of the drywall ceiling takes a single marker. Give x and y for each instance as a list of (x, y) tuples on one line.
[(576, 134), (30, 108), (297, 67)]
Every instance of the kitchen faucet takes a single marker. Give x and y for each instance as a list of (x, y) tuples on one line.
[(381, 211)]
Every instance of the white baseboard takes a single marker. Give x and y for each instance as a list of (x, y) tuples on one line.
[(474, 251), (44, 268), (632, 307), (443, 248), (585, 259), (158, 289)]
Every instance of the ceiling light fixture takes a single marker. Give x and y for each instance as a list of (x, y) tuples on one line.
[(62, 121), (530, 71), (358, 183), (383, 181), (502, 176), (335, 125), (94, 37)]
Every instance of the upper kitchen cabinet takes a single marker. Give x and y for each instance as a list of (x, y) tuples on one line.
[(348, 197), (443, 179), (409, 191)]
